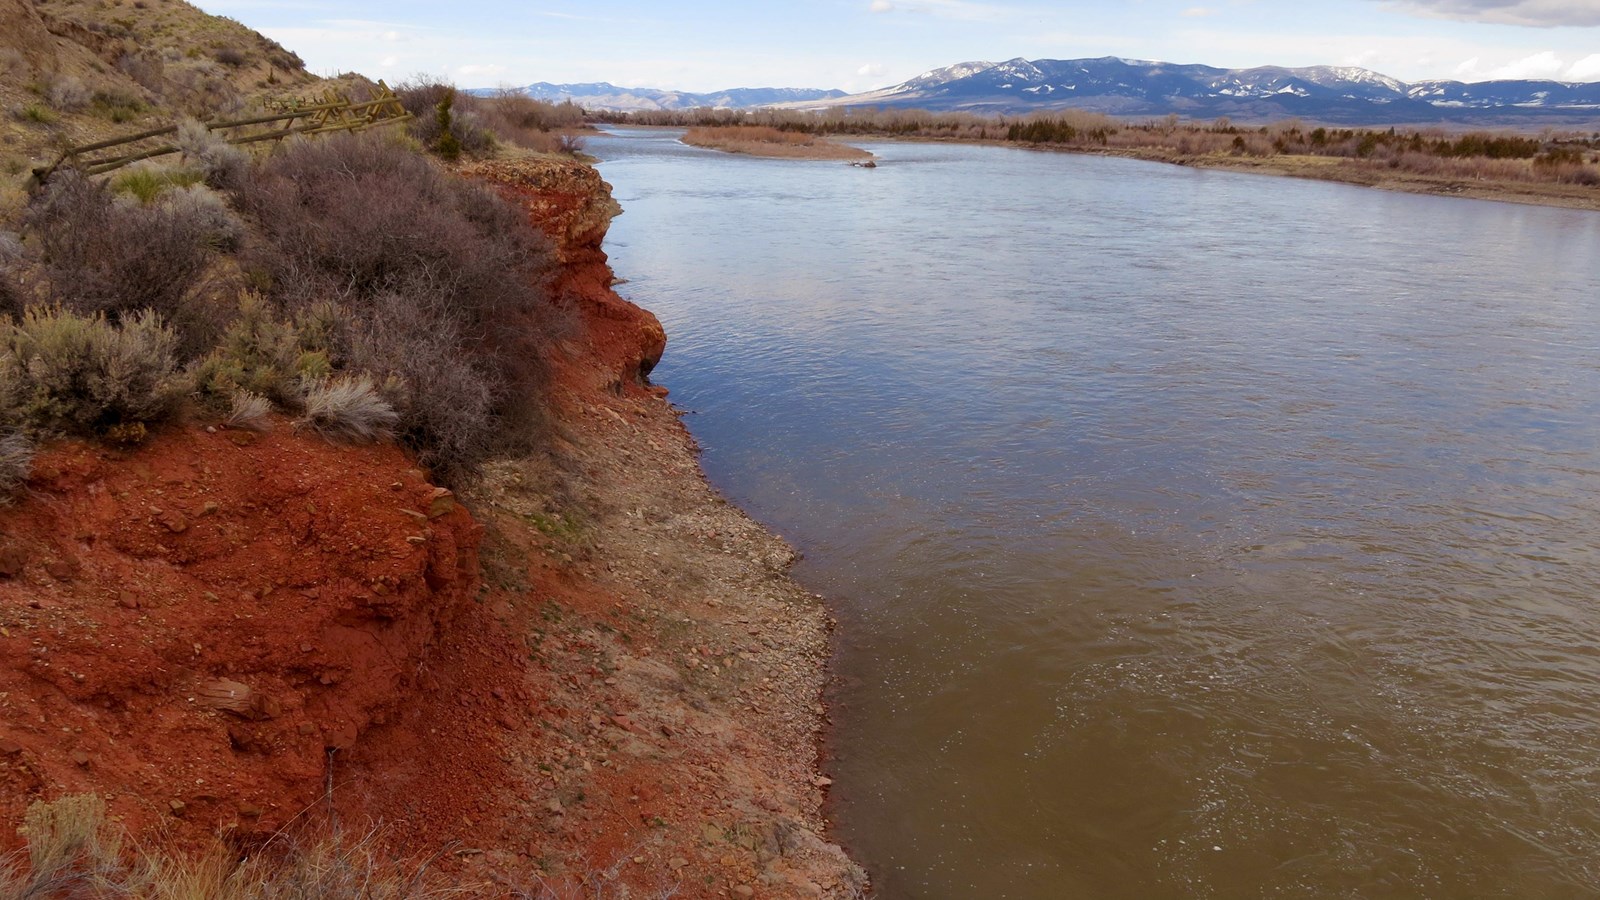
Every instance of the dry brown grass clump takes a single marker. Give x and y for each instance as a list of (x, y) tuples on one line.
[(74, 853)]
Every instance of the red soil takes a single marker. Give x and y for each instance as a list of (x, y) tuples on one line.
[(228, 633), (190, 628)]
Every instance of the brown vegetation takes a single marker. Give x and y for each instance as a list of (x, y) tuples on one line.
[(345, 256), (759, 140), (454, 123), (1549, 167)]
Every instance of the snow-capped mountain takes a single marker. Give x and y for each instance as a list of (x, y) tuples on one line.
[(1335, 94), (605, 96)]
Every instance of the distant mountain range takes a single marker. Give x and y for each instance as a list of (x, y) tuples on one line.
[(1129, 87), (1125, 87), (605, 96)]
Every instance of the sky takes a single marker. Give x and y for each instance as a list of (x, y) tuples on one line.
[(859, 45)]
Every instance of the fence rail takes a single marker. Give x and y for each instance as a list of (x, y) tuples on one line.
[(331, 112)]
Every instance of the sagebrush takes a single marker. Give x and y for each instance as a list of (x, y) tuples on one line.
[(75, 374)]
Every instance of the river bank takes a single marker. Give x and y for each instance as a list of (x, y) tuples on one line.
[(586, 674), (1321, 168)]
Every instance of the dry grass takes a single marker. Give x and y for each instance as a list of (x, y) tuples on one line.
[(349, 410), (248, 412), (74, 853), (16, 462), (761, 140)]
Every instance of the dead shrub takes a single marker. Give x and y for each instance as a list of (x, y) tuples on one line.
[(73, 852), (521, 120), (449, 406), (103, 257), (12, 300), (66, 93), (16, 461), (74, 374), (396, 239), (445, 118), (249, 412), (224, 166), (348, 409), (208, 212)]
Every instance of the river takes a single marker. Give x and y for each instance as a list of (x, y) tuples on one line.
[(1192, 533)]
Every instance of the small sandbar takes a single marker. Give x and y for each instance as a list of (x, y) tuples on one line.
[(760, 140)]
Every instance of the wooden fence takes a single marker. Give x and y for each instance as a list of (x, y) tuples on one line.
[(330, 112)]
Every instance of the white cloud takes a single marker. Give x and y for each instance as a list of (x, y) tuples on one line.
[(1532, 13), (1545, 65), (479, 73), (967, 10), (1586, 69), (870, 70), (1198, 12)]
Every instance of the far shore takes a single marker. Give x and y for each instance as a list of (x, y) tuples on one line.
[(755, 140), (1323, 168)]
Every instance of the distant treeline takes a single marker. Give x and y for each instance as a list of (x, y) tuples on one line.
[(1562, 157)]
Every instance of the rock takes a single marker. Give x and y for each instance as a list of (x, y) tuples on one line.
[(9, 748), (676, 863), (177, 807), (744, 890), (250, 810), (80, 759), (228, 696), (440, 503), (12, 559), (174, 522)]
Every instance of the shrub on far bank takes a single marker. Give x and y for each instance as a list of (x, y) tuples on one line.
[(444, 120)]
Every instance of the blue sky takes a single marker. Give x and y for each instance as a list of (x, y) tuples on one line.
[(862, 44)]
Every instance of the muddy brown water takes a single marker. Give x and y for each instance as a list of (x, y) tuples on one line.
[(1193, 534)]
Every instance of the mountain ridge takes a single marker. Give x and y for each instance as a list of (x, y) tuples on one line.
[(1134, 87), (1117, 86), (603, 95)]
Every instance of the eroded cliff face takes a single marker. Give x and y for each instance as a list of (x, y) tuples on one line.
[(191, 627), (601, 681), (570, 203)]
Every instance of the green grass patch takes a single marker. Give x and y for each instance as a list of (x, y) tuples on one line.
[(148, 184)]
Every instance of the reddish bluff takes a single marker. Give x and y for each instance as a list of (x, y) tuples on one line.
[(188, 629)]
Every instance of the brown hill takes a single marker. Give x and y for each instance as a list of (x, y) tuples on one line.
[(75, 71)]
